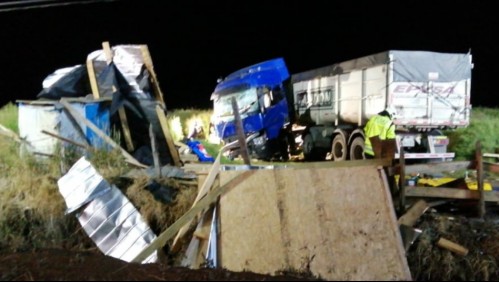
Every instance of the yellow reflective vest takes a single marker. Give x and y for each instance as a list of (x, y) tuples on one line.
[(381, 126)]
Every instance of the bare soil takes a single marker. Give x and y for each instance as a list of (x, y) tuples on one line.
[(64, 265)]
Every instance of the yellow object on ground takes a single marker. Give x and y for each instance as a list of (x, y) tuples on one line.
[(434, 182), (473, 185)]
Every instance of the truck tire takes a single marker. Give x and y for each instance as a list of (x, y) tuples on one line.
[(357, 148), (339, 148), (309, 148)]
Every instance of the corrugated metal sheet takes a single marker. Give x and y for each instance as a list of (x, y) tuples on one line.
[(109, 219)]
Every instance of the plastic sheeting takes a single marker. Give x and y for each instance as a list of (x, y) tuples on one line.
[(66, 82), (407, 66), (109, 218), (128, 60)]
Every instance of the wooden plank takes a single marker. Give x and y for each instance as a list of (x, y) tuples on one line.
[(129, 158), (210, 179), (66, 140), (330, 164), (436, 167), (414, 213), (490, 167), (490, 155), (126, 129), (402, 188), (243, 147), (204, 203), (11, 134), (451, 246), (107, 52), (146, 56), (450, 193), (479, 172), (169, 140), (93, 80), (204, 238)]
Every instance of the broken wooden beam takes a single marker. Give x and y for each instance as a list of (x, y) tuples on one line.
[(451, 246), (243, 147), (436, 167), (402, 188), (450, 193), (84, 146), (169, 139), (414, 213), (146, 56)]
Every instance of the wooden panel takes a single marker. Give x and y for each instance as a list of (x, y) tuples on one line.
[(339, 223)]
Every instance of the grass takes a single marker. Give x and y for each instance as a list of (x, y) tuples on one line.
[(8, 117), (484, 127)]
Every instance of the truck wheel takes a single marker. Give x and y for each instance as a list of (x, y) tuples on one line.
[(284, 148), (357, 148), (339, 148), (308, 148)]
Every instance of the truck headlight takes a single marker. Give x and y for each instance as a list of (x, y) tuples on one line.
[(258, 141)]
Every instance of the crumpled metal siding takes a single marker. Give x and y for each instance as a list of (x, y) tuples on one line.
[(109, 219)]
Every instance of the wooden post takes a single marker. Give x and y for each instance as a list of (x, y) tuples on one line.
[(121, 110), (169, 140), (376, 144), (243, 147), (479, 178), (93, 81), (154, 150), (146, 56), (402, 182)]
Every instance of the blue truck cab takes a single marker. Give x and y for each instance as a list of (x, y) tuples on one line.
[(262, 95)]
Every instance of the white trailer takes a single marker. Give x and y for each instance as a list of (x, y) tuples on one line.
[(430, 90)]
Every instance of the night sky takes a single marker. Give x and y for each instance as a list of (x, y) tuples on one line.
[(192, 43)]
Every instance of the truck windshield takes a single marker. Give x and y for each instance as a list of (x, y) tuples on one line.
[(247, 102)]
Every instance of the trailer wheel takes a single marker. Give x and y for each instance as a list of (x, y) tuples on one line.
[(357, 148), (339, 148)]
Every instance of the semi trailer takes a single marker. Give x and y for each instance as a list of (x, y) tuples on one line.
[(330, 105)]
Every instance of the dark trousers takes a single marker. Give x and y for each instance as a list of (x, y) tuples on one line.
[(368, 156)]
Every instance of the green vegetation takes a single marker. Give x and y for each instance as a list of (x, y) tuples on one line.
[(484, 127), (8, 116)]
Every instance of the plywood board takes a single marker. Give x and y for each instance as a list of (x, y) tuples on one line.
[(338, 223)]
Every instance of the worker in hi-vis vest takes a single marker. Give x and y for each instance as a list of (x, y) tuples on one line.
[(380, 125)]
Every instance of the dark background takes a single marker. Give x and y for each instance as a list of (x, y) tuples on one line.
[(192, 43)]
